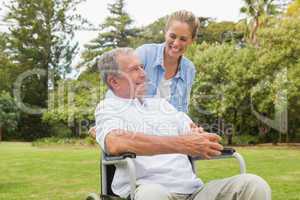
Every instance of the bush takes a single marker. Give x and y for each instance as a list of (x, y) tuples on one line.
[(89, 140), (60, 130), (245, 139), (64, 141)]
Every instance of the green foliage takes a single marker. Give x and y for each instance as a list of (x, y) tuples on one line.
[(152, 33), (240, 84), (283, 43), (218, 32), (245, 139), (258, 12), (60, 130), (7, 68), (293, 9), (59, 141), (40, 37), (41, 34), (74, 101), (8, 114)]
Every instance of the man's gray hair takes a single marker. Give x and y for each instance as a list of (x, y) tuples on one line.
[(108, 64)]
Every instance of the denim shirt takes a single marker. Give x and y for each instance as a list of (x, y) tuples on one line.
[(151, 56)]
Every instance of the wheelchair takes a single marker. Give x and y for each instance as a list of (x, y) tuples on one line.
[(107, 169)]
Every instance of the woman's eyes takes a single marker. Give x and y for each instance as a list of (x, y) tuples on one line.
[(173, 36)]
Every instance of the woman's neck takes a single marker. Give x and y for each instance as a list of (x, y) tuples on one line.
[(171, 66)]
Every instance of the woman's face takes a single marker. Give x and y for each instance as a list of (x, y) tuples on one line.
[(178, 37)]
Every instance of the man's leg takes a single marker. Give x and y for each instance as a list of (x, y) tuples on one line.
[(152, 192), (240, 187)]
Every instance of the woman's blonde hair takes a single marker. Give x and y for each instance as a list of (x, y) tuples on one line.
[(186, 17)]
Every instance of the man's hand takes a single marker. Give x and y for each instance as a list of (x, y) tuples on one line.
[(205, 145)]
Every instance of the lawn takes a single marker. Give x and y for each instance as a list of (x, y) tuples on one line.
[(67, 173)]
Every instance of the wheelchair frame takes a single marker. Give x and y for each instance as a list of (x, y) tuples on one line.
[(127, 161)]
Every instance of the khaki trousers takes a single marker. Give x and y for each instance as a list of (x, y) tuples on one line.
[(240, 187)]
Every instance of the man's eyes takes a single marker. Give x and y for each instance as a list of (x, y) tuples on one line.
[(137, 68)]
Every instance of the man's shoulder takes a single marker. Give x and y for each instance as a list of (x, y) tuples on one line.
[(157, 103), (108, 105), (104, 105)]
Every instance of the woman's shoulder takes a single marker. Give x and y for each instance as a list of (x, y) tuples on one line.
[(187, 63), (150, 46), (148, 53)]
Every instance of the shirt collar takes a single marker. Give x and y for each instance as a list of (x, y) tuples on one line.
[(160, 60), (160, 55), (111, 94)]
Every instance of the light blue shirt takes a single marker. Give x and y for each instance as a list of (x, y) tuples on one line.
[(155, 116), (151, 56)]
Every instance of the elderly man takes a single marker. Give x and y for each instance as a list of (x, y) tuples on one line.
[(161, 137)]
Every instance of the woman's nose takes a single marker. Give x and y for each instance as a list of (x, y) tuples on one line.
[(177, 41)]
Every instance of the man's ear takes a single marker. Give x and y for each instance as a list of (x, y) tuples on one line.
[(112, 82)]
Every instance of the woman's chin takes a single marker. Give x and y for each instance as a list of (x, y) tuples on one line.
[(174, 55)]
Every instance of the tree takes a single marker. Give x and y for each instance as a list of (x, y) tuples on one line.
[(8, 113), (152, 33), (116, 31), (257, 12), (75, 102), (281, 43), (7, 68), (41, 37), (219, 32), (251, 88), (293, 9)]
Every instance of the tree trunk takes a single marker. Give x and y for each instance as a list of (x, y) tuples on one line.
[(254, 30), (0, 133)]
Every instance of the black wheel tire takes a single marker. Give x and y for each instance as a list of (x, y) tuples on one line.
[(93, 196)]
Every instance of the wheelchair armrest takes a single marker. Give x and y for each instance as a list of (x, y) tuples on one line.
[(228, 153), (120, 157), (225, 153)]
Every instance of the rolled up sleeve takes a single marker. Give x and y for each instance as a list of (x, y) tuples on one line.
[(105, 123)]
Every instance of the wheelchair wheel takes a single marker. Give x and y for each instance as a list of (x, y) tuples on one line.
[(93, 196)]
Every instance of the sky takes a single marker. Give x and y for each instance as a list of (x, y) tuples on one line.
[(144, 12)]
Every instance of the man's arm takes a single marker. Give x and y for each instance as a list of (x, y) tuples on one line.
[(204, 145)]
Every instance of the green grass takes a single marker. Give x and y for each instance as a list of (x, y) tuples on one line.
[(28, 172), (54, 173)]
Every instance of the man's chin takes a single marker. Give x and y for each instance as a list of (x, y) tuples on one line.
[(140, 93)]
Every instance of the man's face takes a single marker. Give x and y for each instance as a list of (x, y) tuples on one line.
[(131, 81)]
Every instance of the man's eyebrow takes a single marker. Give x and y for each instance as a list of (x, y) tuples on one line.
[(133, 66)]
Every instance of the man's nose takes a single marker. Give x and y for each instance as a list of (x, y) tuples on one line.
[(142, 72)]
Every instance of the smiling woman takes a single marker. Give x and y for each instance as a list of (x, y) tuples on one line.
[(170, 75)]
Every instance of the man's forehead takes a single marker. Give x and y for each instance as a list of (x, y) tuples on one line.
[(127, 60)]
